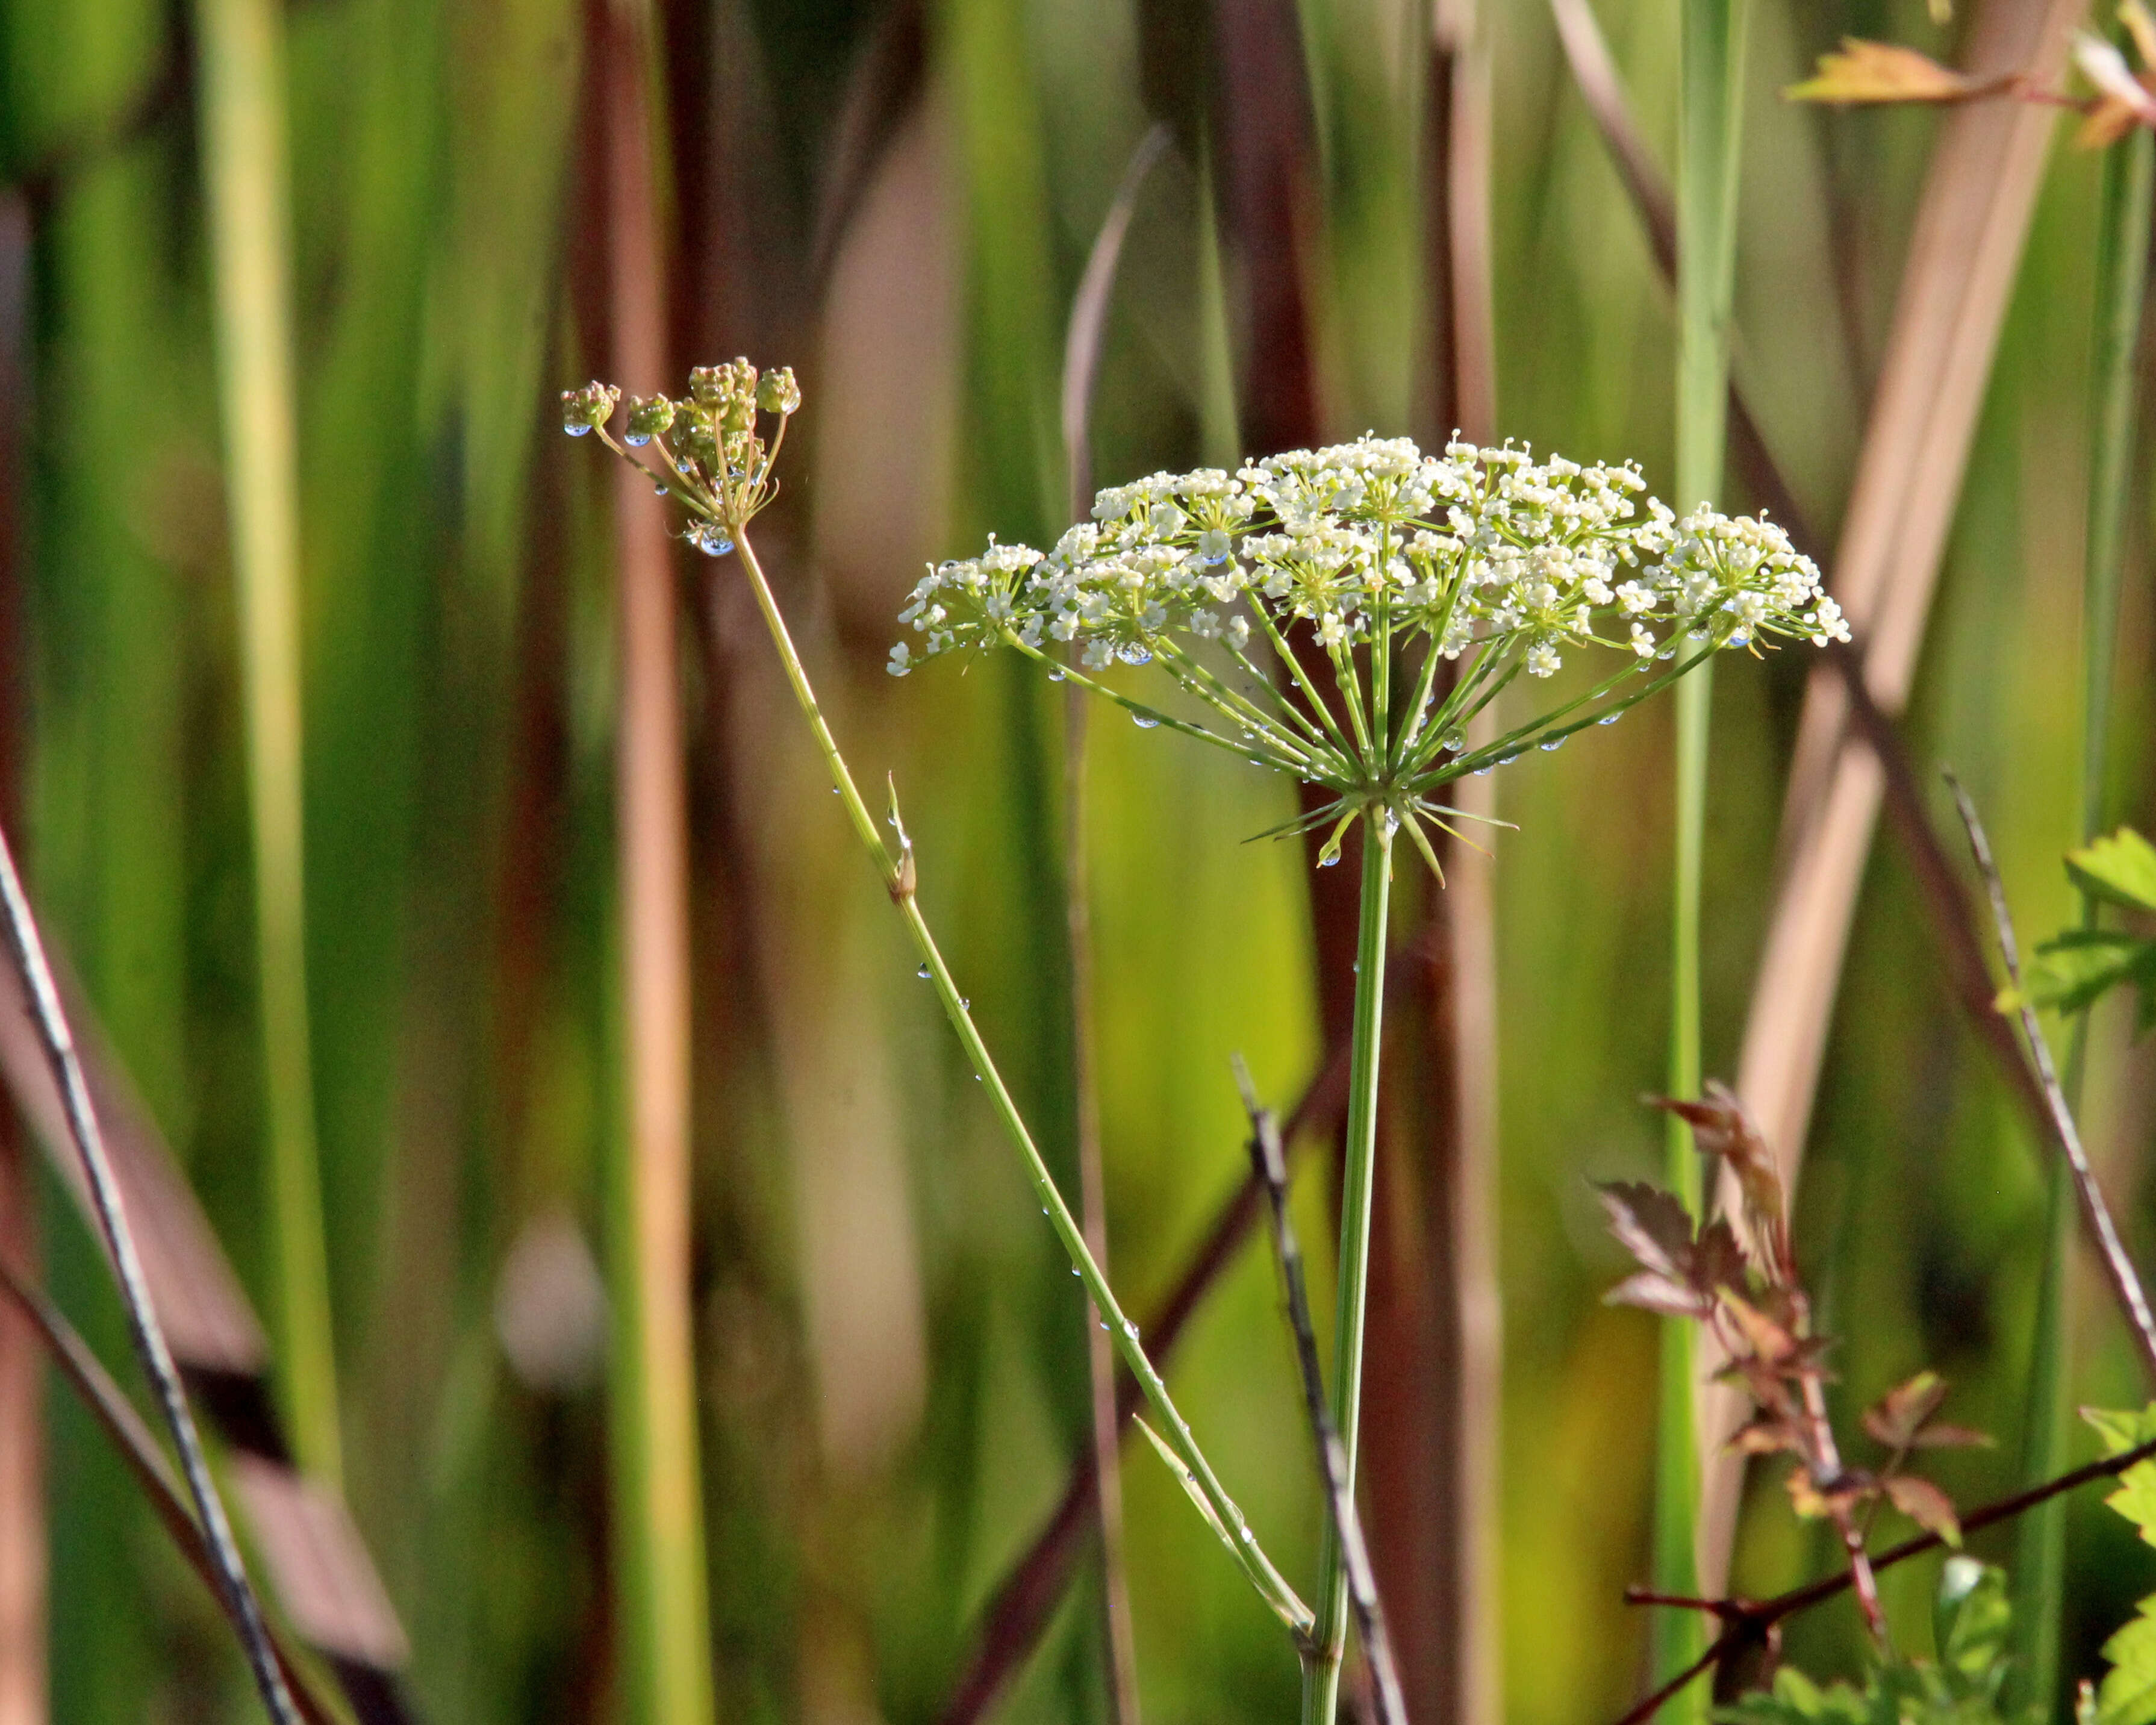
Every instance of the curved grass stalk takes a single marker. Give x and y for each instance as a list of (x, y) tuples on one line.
[(900, 879)]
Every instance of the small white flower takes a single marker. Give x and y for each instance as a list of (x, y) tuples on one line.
[(1643, 643), (1099, 655), (1541, 659), (901, 660), (1239, 633)]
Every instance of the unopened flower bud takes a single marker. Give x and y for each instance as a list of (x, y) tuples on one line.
[(581, 409), (776, 393), (737, 413), (648, 419), (706, 384)]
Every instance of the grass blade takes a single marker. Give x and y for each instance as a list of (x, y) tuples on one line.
[(2039, 1572), (658, 1492), (244, 165), (1709, 130)]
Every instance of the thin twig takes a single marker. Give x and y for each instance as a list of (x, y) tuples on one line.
[(148, 1335), (2118, 1268), (1747, 1616), (95, 1388), (1269, 1162)]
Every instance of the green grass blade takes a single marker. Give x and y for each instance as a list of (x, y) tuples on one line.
[(243, 156), (2039, 1572), (1709, 131)]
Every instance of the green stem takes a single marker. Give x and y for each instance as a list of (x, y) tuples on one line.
[(243, 94), (2121, 271), (1321, 1680), (897, 868), (1710, 105)]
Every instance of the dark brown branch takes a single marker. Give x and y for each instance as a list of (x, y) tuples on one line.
[(2096, 1213), (1750, 1618), (1269, 1162), (95, 1388), (234, 1590)]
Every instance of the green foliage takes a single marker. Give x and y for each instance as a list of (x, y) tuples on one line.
[(1971, 1619), (2127, 1693), (2078, 967)]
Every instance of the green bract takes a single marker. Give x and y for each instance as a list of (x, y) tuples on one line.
[(1482, 559)]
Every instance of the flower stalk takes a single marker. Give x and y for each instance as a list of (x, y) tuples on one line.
[(721, 470)]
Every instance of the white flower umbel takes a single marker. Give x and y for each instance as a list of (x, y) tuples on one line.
[(1373, 566), (1481, 557)]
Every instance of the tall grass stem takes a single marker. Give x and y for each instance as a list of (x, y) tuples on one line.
[(243, 168), (1710, 109)]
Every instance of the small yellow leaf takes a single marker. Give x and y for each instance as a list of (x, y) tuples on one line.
[(1884, 72)]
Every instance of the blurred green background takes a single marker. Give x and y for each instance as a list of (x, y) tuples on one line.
[(898, 202)]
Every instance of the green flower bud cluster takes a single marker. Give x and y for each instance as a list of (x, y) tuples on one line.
[(706, 448)]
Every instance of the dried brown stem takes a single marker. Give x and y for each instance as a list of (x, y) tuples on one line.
[(1748, 1618), (1269, 1162), (116, 1415), (2095, 1213)]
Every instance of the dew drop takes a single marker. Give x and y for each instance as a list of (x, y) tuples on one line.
[(1055, 676), (660, 490), (1130, 1329), (1074, 1268), (716, 544), (966, 1005), (1327, 862), (1134, 653), (924, 973), (1453, 743), (1552, 746), (578, 430), (1482, 772), (636, 439), (1145, 721), (1609, 718)]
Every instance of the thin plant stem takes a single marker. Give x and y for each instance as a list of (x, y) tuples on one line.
[(2122, 273), (148, 1335), (2095, 1213), (1710, 85), (899, 877), (243, 156), (116, 1416), (1269, 1162), (1321, 1681)]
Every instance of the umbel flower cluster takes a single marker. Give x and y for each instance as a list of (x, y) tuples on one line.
[(1386, 573), (706, 448)]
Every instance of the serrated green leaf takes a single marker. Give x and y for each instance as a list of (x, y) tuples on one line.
[(2082, 966), (2128, 1694), (2120, 869)]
